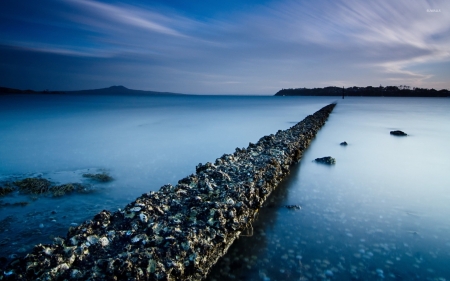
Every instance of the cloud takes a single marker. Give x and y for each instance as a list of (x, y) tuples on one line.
[(279, 44), (62, 49), (82, 27), (108, 16), (390, 34), (404, 28)]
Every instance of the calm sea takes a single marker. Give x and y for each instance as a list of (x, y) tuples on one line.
[(381, 213)]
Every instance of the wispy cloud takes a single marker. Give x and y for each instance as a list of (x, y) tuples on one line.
[(404, 30), (62, 49), (281, 44), (392, 35), (109, 16)]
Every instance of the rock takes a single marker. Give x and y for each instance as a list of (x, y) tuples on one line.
[(178, 232), (101, 177), (398, 133), (5, 190), (344, 143), (294, 207), (40, 186), (326, 160)]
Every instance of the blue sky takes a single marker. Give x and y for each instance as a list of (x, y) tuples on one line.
[(223, 47)]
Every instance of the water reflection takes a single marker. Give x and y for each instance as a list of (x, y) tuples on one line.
[(332, 238), (380, 213), (143, 142), (250, 257)]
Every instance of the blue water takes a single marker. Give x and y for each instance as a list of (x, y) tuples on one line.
[(380, 213)]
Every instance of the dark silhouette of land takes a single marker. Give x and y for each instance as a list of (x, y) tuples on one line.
[(113, 90), (388, 91)]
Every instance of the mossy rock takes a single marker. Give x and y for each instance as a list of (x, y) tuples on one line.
[(39, 186), (33, 185), (63, 189), (101, 177), (6, 190)]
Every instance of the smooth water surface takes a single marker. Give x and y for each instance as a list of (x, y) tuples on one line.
[(380, 213), (142, 142)]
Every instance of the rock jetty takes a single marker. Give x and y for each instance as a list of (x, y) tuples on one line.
[(178, 232)]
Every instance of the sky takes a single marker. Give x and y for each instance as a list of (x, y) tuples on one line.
[(223, 47)]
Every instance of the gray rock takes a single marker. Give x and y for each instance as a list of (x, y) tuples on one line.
[(398, 133), (326, 160), (178, 232)]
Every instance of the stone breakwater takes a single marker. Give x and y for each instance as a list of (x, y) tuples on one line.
[(178, 232)]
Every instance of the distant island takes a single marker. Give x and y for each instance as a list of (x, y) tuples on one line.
[(111, 91), (388, 91)]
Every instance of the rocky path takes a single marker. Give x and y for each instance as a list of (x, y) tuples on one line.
[(179, 232)]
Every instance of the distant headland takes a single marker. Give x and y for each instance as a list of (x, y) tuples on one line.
[(113, 90), (388, 91)]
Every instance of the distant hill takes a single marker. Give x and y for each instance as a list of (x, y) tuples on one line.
[(111, 91), (389, 91)]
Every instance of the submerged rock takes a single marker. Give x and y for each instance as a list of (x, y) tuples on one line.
[(178, 232), (41, 186), (294, 207), (15, 204), (63, 189), (33, 185), (326, 160), (6, 190), (101, 177), (398, 133)]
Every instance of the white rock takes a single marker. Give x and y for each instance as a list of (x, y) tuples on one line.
[(103, 241), (143, 217)]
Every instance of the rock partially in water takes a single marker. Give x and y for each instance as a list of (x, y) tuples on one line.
[(344, 143), (37, 186), (14, 204), (178, 232), (398, 133), (5, 190), (326, 160), (63, 189), (101, 177), (33, 186)]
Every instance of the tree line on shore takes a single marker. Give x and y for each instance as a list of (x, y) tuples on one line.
[(388, 91)]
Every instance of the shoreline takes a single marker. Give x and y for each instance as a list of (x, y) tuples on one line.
[(180, 231), (388, 91)]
